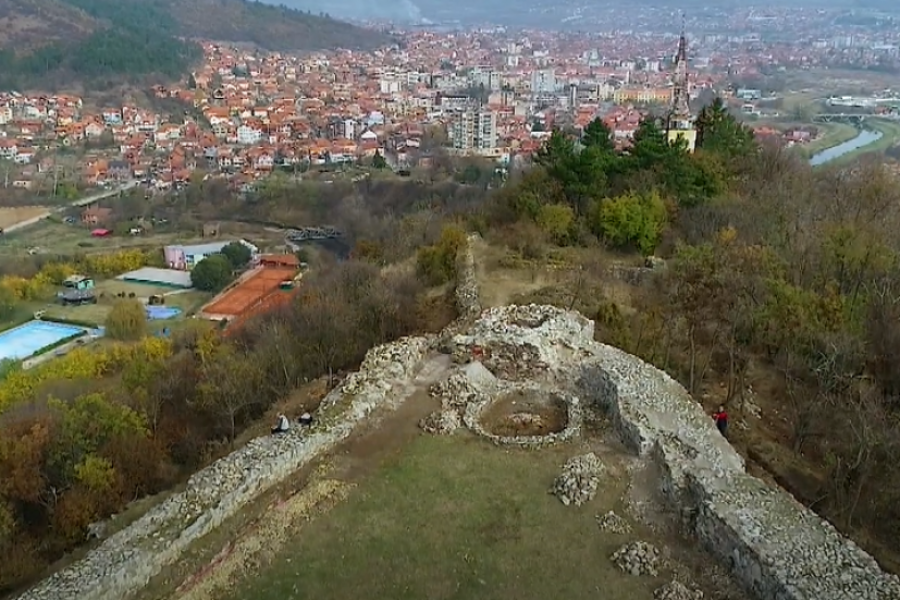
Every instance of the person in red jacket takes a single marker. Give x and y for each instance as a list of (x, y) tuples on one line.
[(721, 419)]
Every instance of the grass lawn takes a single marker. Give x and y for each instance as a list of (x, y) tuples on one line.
[(454, 518), (52, 237), (188, 301)]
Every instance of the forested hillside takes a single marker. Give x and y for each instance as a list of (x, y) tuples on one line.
[(48, 43), (780, 296)]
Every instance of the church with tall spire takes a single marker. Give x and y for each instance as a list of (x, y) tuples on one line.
[(680, 121)]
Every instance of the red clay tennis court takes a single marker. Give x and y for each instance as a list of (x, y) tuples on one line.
[(250, 291)]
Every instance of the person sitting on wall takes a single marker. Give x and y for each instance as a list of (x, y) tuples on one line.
[(306, 419), (283, 425)]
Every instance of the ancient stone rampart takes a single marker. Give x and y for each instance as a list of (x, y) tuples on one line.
[(467, 300), (779, 549)]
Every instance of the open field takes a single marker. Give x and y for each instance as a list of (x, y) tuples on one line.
[(9, 216), (454, 518), (50, 237), (55, 237), (188, 301), (396, 513)]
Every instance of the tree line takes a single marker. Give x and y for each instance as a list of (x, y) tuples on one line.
[(84, 434)]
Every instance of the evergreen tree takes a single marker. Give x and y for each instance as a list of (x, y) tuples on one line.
[(598, 135), (719, 132), (378, 161)]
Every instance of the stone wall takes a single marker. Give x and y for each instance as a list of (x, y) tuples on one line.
[(467, 301), (779, 549), (126, 561)]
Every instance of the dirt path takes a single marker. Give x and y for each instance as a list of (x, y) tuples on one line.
[(240, 546)]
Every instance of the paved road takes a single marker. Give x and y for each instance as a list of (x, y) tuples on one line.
[(80, 202)]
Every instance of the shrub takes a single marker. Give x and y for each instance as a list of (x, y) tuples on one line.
[(127, 321)]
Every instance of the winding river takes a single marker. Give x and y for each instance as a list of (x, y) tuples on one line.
[(863, 138)]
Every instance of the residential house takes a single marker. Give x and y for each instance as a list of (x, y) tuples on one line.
[(247, 135), (93, 129), (24, 156), (8, 149), (186, 257), (93, 216), (112, 116), (119, 170)]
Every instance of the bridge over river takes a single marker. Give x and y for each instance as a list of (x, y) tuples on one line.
[(854, 118)]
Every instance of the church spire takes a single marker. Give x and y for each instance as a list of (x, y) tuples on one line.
[(680, 108), (681, 57), (680, 123)]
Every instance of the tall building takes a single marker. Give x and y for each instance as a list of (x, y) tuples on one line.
[(474, 130), (679, 121), (543, 81)]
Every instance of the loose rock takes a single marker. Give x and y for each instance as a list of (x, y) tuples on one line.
[(638, 558), (442, 422), (613, 523), (579, 479), (675, 590)]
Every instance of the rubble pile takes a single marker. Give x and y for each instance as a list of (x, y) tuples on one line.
[(613, 523), (638, 558), (579, 479), (675, 590)]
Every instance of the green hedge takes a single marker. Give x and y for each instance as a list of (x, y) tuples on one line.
[(75, 322), (59, 343)]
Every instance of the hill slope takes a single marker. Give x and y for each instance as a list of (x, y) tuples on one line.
[(48, 43), (271, 27)]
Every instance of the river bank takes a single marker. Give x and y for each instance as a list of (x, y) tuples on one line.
[(877, 135)]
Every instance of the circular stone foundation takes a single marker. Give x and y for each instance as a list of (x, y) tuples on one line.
[(525, 416)]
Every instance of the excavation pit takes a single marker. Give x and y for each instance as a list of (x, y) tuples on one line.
[(525, 413), (526, 416)]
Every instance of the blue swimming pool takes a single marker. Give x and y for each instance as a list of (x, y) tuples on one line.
[(160, 313), (23, 341)]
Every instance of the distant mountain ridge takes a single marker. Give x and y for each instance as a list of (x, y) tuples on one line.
[(48, 43)]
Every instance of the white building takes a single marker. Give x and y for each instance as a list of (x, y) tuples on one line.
[(474, 130), (247, 135), (543, 82)]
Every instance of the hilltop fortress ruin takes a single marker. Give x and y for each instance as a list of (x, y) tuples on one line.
[(773, 545)]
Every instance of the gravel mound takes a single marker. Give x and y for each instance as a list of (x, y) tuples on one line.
[(579, 479), (613, 523), (638, 558), (675, 590)]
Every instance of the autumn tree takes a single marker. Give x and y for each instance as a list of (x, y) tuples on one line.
[(126, 321), (229, 386), (438, 262), (556, 220), (631, 220)]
